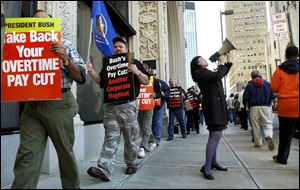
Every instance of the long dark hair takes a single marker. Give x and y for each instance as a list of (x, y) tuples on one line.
[(195, 67)]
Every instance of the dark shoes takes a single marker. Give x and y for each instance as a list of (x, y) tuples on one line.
[(184, 136), (209, 176), (218, 167), (202, 169), (169, 139), (206, 176), (97, 173), (275, 159), (131, 169)]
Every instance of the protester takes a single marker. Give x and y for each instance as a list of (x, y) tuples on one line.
[(175, 105), (120, 117), (214, 107), (285, 82), (159, 109), (145, 118), (54, 119), (191, 106)]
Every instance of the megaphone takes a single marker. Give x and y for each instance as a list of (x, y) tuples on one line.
[(226, 47)]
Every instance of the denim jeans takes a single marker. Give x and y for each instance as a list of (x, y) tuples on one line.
[(157, 122), (179, 115)]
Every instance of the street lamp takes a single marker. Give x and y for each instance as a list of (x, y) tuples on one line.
[(227, 12)]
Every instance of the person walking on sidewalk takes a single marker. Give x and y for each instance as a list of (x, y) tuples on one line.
[(242, 110), (258, 97), (175, 105), (285, 82), (119, 118), (214, 107), (54, 119), (145, 117), (159, 110)]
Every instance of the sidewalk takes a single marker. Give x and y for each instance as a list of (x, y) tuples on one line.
[(176, 164)]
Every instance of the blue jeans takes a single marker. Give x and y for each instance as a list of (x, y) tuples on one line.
[(157, 122), (231, 115), (179, 115)]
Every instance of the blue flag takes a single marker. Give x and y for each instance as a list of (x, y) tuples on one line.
[(103, 29)]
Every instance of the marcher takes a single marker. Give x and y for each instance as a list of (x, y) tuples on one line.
[(119, 118), (285, 82), (258, 97), (145, 119), (191, 106), (54, 119), (175, 105), (214, 107), (159, 110)]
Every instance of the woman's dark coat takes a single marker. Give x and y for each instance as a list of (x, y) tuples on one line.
[(213, 100)]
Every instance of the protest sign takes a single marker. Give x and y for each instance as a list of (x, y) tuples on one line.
[(175, 98), (118, 82), (30, 71), (145, 101)]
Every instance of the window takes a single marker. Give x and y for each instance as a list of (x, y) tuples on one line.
[(11, 111)]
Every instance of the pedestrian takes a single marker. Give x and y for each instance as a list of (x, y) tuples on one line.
[(258, 97), (145, 118), (285, 82), (213, 105), (191, 106), (230, 108), (51, 118), (175, 105), (236, 105), (159, 110), (242, 110), (120, 117)]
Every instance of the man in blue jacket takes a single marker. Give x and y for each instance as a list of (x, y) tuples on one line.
[(159, 110), (258, 97)]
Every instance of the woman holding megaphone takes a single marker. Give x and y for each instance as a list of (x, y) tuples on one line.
[(213, 105)]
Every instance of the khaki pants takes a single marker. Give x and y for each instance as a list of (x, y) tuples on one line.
[(145, 124), (261, 116), (119, 119), (39, 120)]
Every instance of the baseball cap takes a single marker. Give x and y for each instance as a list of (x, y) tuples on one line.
[(119, 39)]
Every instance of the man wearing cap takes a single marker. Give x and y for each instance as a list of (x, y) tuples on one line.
[(121, 117)]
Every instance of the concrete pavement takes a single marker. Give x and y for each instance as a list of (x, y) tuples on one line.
[(176, 164)]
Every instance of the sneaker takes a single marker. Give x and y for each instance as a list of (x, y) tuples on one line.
[(184, 136), (169, 139), (141, 153), (97, 173), (152, 146), (131, 169), (270, 143)]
